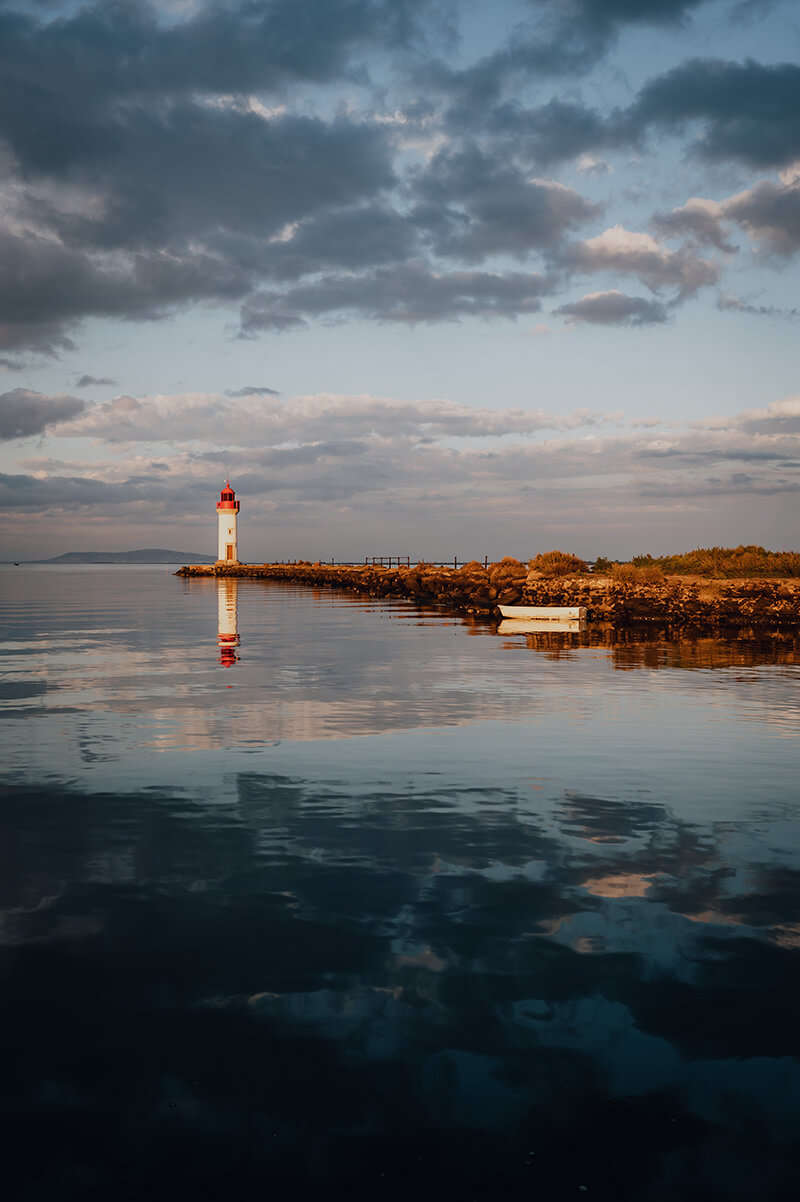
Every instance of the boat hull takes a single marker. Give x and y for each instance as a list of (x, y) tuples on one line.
[(544, 613)]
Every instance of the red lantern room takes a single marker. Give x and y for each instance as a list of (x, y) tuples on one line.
[(227, 499)]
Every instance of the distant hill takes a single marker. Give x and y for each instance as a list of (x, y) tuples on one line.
[(149, 555)]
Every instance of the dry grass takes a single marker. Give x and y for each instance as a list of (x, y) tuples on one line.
[(721, 563), (557, 563), (632, 573)]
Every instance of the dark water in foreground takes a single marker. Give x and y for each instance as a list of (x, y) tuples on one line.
[(390, 902)]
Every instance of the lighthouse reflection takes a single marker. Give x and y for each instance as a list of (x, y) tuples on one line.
[(227, 621)]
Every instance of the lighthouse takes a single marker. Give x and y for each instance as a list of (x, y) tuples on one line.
[(228, 513)]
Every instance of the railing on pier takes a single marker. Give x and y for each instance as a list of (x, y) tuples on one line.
[(385, 561), (388, 561)]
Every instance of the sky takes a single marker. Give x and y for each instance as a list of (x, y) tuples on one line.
[(432, 278)]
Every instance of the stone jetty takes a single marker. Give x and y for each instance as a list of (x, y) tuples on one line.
[(475, 589)]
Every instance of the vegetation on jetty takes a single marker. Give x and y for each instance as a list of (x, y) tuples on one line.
[(726, 563), (713, 563), (645, 594)]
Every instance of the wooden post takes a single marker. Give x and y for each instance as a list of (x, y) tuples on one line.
[(486, 562)]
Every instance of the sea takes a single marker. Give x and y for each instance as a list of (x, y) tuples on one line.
[(305, 894)]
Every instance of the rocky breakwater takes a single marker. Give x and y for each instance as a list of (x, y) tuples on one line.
[(675, 600), (470, 589), (474, 589)]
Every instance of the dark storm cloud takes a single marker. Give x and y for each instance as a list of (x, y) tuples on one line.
[(562, 39), (135, 166), (94, 382), (48, 287), (252, 390), (360, 236), (24, 414), (747, 111), (483, 204), (615, 309), (146, 176), (59, 76), (553, 132), (39, 494), (191, 169), (408, 292)]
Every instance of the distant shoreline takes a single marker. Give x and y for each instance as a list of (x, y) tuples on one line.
[(677, 600), (146, 555)]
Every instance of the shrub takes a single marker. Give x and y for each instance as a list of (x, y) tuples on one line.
[(507, 568), (602, 566), (557, 563)]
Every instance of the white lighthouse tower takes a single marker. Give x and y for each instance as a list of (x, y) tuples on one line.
[(228, 513)]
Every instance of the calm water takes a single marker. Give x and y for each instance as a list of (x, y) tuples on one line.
[(301, 891)]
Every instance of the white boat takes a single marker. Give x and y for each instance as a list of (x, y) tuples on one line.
[(534, 626), (545, 613)]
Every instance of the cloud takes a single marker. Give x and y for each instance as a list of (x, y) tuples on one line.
[(252, 390), (588, 164), (728, 303), (615, 308), (201, 155), (94, 382), (38, 494), (483, 205), (219, 171), (701, 220), (770, 214), (629, 253), (193, 418), (779, 417), (24, 414), (406, 293), (49, 287), (747, 111), (128, 55), (143, 179), (552, 132), (563, 38), (357, 464)]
